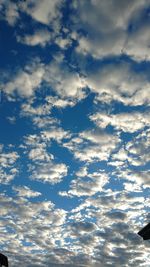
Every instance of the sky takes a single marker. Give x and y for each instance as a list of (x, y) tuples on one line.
[(74, 132)]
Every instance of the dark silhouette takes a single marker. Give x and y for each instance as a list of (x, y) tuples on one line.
[(145, 232), (3, 260)]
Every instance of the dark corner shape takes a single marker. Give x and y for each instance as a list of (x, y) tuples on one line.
[(145, 232), (3, 260)]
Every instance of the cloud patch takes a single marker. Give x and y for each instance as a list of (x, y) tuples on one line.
[(126, 122), (40, 37), (8, 166)]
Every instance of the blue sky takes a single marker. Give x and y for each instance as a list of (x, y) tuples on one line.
[(75, 132)]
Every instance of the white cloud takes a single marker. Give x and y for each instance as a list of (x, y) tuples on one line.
[(28, 109), (45, 12), (50, 172), (137, 44), (103, 46), (109, 15), (8, 159), (132, 187), (118, 82), (92, 145), (39, 114), (36, 223), (121, 155), (131, 162), (87, 186), (66, 83), (82, 172), (7, 176), (44, 37), (43, 166), (44, 122), (127, 122), (39, 154), (111, 37), (40, 142), (62, 42), (33, 140), (26, 192), (87, 241), (8, 169), (10, 12), (55, 133), (139, 149), (40, 37), (58, 102), (139, 177), (26, 81), (113, 212), (106, 198)]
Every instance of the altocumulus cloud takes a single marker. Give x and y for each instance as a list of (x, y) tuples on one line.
[(75, 137)]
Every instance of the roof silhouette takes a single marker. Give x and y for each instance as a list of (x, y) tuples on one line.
[(145, 232), (3, 260)]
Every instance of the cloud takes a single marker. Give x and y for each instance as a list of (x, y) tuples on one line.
[(91, 63), (39, 154), (131, 162), (139, 148), (126, 122), (26, 192), (37, 145), (67, 84), (64, 81), (36, 223), (103, 46), (112, 37), (59, 102), (26, 81), (63, 43), (51, 172), (90, 243), (39, 37), (45, 12), (130, 187), (92, 146), (55, 133), (138, 178), (43, 37), (119, 82), (87, 186), (45, 122), (137, 44), (133, 158), (30, 109), (33, 141), (8, 168), (112, 228), (12, 119), (7, 159), (43, 167), (10, 12), (79, 228), (39, 114)]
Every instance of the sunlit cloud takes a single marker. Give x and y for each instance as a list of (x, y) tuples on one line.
[(75, 138)]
